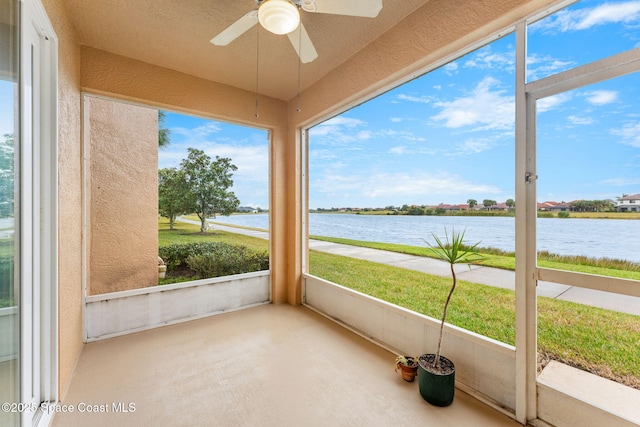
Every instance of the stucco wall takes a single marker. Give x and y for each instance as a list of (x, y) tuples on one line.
[(122, 190)]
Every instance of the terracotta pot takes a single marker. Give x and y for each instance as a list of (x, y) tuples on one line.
[(408, 372)]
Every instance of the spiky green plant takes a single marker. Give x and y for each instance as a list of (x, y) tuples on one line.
[(453, 251)]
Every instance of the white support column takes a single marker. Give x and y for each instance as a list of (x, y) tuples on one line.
[(526, 211)]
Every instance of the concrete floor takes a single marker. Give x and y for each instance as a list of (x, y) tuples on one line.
[(273, 365)]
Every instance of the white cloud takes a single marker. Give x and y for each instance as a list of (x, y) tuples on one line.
[(396, 119), (490, 108), (621, 182), (575, 120), (413, 98), (398, 150), (486, 59), (339, 122), (400, 134), (323, 154), (543, 66), (582, 19), (251, 180), (197, 132), (451, 68), (252, 161), (340, 129), (551, 102), (601, 97), (630, 134), (472, 146), (364, 134), (400, 185)]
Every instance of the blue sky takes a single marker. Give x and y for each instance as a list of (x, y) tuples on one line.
[(448, 136)]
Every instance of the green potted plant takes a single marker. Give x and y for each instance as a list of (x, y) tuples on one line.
[(436, 377), (408, 367)]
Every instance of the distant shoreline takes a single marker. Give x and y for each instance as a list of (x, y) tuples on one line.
[(541, 214)]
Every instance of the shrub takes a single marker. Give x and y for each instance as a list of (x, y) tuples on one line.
[(545, 215), (6, 280), (213, 259), (563, 214), (176, 255), (416, 211), (228, 260)]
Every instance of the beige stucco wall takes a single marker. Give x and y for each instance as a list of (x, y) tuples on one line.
[(122, 193)]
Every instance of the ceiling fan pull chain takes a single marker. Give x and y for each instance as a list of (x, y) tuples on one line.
[(256, 114), (298, 109)]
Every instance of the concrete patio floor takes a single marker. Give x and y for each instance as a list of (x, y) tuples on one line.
[(272, 365)]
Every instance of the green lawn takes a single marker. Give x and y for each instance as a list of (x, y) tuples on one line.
[(597, 340), (187, 233), (500, 259)]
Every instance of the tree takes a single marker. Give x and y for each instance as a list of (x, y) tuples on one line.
[(164, 134), (510, 203), (208, 183), (487, 203), (7, 176), (415, 211), (172, 194), (472, 203)]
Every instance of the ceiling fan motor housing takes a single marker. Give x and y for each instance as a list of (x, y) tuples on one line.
[(279, 16), (306, 5)]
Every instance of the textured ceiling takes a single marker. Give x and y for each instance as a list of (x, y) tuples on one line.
[(175, 35)]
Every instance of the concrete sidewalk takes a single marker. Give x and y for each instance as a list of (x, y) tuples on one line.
[(477, 274)]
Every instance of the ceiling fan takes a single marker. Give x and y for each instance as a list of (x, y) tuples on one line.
[(283, 17)]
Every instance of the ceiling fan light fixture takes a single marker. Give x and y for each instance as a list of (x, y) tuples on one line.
[(279, 16)]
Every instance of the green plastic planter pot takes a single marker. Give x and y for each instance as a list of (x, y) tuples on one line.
[(437, 386)]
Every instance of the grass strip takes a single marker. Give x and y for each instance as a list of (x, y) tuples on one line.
[(506, 260), (188, 233)]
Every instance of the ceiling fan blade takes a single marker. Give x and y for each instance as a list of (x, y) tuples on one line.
[(302, 44), (236, 29), (364, 8)]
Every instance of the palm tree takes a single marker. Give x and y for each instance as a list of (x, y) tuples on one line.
[(164, 134), (453, 251)]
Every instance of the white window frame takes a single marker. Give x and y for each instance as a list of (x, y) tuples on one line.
[(527, 271), (39, 212)]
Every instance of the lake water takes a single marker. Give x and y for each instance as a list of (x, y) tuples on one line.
[(595, 238)]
